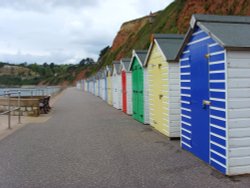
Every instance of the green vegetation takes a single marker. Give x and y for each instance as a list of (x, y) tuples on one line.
[(46, 74)]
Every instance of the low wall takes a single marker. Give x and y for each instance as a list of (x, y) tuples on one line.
[(29, 105)]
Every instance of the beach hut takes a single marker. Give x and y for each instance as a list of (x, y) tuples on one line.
[(139, 86), (126, 86), (105, 85), (83, 84), (78, 85), (87, 85), (103, 82), (96, 85), (163, 83), (116, 82), (99, 84), (90, 81), (215, 92), (109, 85), (93, 85)]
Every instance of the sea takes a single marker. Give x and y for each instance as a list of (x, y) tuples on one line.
[(30, 91)]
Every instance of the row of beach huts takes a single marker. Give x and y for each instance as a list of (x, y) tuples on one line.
[(195, 87)]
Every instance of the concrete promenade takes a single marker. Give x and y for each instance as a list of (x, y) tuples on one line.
[(89, 144)]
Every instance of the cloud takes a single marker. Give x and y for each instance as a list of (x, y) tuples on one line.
[(43, 5), (64, 31), (61, 57)]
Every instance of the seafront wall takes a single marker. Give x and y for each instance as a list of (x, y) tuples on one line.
[(29, 106)]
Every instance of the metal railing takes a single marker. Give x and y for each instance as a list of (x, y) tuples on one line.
[(43, 91), (24, 92), (18, 108)]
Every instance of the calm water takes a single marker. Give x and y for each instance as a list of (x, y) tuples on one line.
[(36, 91)]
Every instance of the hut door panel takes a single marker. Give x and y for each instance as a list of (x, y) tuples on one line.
[(124, 92), (154, 92), (137, 83), (162, 98), (105, 89), (134, 91), (158, 98), (200, 93), (140, 95), (116, 93)]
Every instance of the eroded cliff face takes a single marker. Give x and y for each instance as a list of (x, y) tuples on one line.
[(127, 31), (220, 7), (173, 19)]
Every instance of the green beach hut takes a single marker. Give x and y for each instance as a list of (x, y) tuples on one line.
[(139, 86)]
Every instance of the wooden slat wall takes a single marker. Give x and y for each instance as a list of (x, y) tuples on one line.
[(239, 112)]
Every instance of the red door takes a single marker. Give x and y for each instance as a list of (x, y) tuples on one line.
[(124, 92)]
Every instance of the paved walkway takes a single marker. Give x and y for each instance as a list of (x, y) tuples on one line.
[(87, 144)]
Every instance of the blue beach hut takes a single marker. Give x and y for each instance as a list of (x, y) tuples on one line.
[(215, 92)]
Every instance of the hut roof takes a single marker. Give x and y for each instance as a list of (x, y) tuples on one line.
[(229, 31), (125, 62), (116, 66), (140, 55), (169, 44)]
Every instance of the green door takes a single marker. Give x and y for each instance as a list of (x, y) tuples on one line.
[(138, 96), (134, 89)]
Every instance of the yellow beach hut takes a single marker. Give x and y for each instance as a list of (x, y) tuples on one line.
[(109, 85), (163, 83)]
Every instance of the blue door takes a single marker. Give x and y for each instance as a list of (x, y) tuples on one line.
[(199, 102)]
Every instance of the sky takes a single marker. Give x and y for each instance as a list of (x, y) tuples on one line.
[(64, 31)]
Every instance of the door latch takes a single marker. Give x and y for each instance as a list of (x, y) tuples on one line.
[(206, 103), (207, 56)]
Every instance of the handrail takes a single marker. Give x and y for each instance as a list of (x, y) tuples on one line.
[(6, 112), (41, 91), (12, 110)]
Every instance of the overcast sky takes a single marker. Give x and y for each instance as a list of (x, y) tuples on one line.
[(64, 31)]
